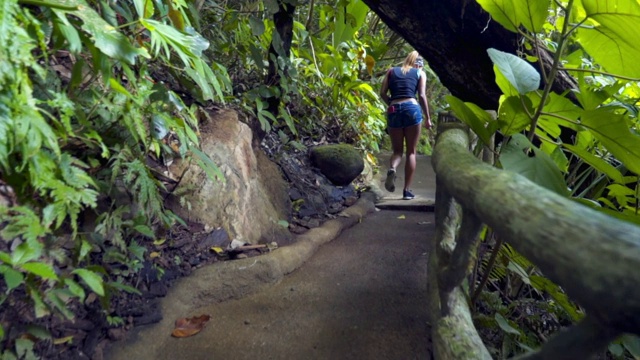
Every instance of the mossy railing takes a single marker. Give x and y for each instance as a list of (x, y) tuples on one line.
[(594, 257)]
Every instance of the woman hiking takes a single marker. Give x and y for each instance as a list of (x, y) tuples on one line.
[(404, 116)]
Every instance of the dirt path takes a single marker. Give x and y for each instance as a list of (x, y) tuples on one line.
[(360, 296)]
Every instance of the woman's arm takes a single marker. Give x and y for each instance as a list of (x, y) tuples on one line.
[(422, 99)]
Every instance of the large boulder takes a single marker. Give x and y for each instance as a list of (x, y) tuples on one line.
[(340, 163), (253, 199)]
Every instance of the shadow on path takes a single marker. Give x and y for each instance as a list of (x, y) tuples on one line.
[(361, 296)]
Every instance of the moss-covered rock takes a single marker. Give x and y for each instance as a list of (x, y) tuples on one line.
[(340, 163)]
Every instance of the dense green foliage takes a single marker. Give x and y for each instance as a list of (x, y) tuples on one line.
[(582, 144), (94, 92)]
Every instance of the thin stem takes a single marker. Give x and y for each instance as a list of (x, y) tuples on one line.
[(601, 73), (552, 75)]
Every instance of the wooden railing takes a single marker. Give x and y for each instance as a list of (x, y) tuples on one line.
[(595, 258)]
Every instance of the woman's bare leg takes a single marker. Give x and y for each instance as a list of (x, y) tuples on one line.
[(412, 135), (397, 144)]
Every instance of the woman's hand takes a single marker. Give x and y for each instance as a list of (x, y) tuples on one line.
[(428, 124)]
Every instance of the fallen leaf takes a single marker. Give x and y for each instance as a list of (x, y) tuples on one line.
[(424, 222), (218, 250), (64, 340), (401, 217), (154, 254), (186, 327)]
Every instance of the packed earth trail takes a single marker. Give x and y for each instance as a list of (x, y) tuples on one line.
[(362, 295)]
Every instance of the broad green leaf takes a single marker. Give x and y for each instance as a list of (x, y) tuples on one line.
[(144, 8), (67, 31), (5, 257), (175, 15), (613, 132), (532, 14), (12, 277), (93, 280), (75, 288), (611, 35), (43, 270), (349, 20), (632, 344), (58, 297), (589, 97), (164, 36), (144, 230), (597, 162), (623, 195), (24, 253), (558, 111), (513, 114), (40, 307), (24, 349), (257, 26), (519, 72), (505, 85), (522, 157), (616, 350), (115, 85), (105, 37), (39, 332), (504, 325), (470, 117), (557, 155)]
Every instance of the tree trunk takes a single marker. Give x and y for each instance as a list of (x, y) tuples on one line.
[(281, 47), (453, 36)]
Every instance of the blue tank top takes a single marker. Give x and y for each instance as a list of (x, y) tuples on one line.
[(403, 85)]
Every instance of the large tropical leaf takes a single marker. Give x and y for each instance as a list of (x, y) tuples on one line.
[(105, 37), (612, 35), (522, 157), (477, 120), (531, 14), (512, 115), (519, 72), (348, 20), (613, 131)]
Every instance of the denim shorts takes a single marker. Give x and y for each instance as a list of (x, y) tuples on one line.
[(403, 115)]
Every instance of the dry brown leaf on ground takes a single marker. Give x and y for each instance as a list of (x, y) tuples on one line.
[(186, 327)]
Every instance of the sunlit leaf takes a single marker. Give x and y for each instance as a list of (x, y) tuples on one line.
[(532, 14), (105, 37), (513, 114), (519, 72), (613, 131), (43, 270), (12, 277), (612, 34), (93, 280)]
